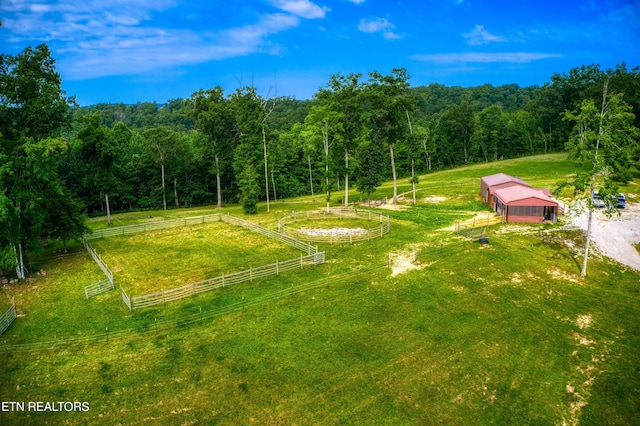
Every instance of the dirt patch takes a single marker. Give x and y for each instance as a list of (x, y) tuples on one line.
[(557, 273), (402, 262), (584, 321), (434, 199), (333, 232), (393, 207)]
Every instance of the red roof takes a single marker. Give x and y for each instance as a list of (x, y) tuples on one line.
[(517, 193), (501, 178)]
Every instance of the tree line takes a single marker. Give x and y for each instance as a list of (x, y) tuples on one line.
[(59, 160)]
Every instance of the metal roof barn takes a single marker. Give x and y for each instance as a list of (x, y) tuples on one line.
[(490, 184), (525, 204)]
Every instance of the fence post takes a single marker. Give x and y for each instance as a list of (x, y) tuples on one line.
[(277, 272), (250, 274)]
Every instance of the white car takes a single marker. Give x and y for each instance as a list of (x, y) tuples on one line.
[(597, 201)]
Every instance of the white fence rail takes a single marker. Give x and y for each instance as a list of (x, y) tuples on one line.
[(98, 288), (126, 299), (99, 261), (139, 302), (151, 226), (6, 319)]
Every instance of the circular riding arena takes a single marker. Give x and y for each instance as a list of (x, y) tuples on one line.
[(334, 226)]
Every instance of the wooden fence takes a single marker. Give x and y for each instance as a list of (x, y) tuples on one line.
[(347, 237), (139, 302), (6, 319)]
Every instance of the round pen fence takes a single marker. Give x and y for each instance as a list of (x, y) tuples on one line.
[(377, 226)]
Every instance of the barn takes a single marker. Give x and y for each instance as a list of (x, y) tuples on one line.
[(525, 204), (490, 184)]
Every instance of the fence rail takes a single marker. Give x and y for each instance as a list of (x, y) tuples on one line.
[(99, 261), (7, 318), (98, 288), (139, 302), (151, 226), (334, 237)]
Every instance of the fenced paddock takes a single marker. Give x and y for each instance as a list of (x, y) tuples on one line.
[(286, 226), (7, 318), (312, 257)]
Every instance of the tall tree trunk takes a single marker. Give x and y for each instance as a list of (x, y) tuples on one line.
[(583, 272), (273, 184), (164, 193), (266, 169), (603, 111), (346, 178), (326, 177), (393, 173), (413, 180), (106, 200), (20, 268), (311, 178), (218, 184), (175, 191)]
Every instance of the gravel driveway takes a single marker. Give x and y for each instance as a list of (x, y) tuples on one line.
[(615, 237)]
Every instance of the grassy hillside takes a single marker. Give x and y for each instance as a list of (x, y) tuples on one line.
[(418, 327)]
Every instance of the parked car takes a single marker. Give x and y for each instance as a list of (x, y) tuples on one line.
[(597, 201), (621, 201)]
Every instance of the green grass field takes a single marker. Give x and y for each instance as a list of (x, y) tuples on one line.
[(150, 262), (506, 333)]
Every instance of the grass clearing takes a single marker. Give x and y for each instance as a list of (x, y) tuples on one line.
[(506, 333), (152, 261)]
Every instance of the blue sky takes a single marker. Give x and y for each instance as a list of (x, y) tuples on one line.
[(156, 50)]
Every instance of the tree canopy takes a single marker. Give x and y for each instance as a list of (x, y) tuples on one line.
[(59, 161)]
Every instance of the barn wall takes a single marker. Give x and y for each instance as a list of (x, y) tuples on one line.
[(524, 219)]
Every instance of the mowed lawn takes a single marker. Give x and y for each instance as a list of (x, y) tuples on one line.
[(160, 260)]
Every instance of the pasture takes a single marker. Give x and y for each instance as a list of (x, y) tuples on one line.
[(421, 326), (152, 261)]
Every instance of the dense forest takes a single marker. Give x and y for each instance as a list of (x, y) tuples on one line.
[(59, 161)]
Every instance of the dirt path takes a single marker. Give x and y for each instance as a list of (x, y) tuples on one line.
[(615, 237)]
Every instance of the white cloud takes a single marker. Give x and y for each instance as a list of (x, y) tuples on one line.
[(98, 38), (141, 50), (480, 36), (377, 25), (356, 1), (301, 8), (466, 57)]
